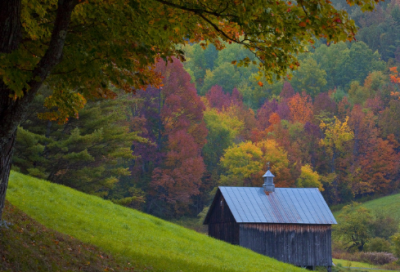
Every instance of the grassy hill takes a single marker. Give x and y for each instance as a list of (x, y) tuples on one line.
[(26, 245), (388, 205), (148, 242)]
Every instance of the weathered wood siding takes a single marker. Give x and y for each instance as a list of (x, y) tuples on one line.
[(301, 245), (222, 224)]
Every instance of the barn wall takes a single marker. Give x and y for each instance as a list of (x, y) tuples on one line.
[(298, 244), (222, 224)]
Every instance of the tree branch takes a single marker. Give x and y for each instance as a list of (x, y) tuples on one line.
[(198, 11), (17, 109)]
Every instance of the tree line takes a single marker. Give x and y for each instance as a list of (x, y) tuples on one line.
[(165, 149), (82, 50)]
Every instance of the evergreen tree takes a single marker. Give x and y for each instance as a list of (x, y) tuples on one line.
[(90, 153)]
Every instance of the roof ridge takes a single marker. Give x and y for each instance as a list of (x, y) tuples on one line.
[(262, 188)]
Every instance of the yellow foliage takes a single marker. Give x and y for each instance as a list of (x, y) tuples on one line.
[(309, 179), (243, 160), (336, 134), (274, 154), (245, 163), (224, 120)]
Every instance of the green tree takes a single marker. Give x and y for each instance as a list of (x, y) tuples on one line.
[(354, 226), (222, 131), (357, 93), (384, 226), (80, 47), (345, 63), (225, 75), (396, 244), (373, 83), (357, 63), (199, 61), (89, 153), (329, 59), (378, 244), (256, 90), (309, 77)]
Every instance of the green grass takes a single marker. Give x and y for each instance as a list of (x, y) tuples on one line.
[(129, 234), (26, 246), (352, 263), (362, 266), (388, 205)]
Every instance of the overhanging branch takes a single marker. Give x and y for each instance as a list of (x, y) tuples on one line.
[(17, 109)]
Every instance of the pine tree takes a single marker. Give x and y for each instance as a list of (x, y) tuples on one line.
[(90, 153)]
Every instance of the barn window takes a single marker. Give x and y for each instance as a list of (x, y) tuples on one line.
[(222, 203)]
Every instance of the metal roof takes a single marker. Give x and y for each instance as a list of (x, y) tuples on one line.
[(284, 206), (268, 174)]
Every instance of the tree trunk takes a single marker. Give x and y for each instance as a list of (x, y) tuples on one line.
[(13, 112), (6, 152), (10, 25)]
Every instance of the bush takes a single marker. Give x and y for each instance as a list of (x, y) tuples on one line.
[(384, 226), (378, 244), (377, 258), (396, 244), (339, 246), (391, 266)]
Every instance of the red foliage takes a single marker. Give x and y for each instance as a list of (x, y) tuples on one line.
[(344, 108), (287, 90), (300, 108), (274, 119), (380, 167), (375, 104), (180, 177), (283, 110), (220, 100), (236, 98), (374, 160), (324, 103), (264, 113), (182, 107), (217, 98)]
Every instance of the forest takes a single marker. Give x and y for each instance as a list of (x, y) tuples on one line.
[(120, 119), (334, 124)]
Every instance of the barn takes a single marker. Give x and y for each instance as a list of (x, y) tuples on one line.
[(292, 225)]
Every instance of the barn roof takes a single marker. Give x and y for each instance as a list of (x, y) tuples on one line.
[(284, 206)]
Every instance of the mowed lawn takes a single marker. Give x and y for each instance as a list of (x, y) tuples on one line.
[(126, 233), (363, 266), (388, 205), (353, 264)]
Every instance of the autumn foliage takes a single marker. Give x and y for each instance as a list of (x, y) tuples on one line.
[(300, 107), (192, 144), (172, 166)]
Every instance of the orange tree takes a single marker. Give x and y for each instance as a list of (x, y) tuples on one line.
[(80, 48)]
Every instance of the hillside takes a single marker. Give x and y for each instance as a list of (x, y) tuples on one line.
[(388, 205), (129, 234), (26, 245)]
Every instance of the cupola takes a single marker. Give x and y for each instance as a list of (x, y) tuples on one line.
[(269, 186)]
